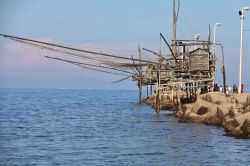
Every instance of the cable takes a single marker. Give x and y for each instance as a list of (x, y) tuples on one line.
[(74, 49)]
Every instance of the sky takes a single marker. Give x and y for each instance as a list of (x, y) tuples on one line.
[(118, 25)]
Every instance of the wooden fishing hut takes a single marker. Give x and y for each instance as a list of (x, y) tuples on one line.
[(190, 70)]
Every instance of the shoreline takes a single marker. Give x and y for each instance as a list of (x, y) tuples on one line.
[(232, 112)]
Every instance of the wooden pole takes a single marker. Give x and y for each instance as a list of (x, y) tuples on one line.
[(147, 90), (223, 70), (158, 94), (140, 76), (151, 91), (187, 90), (190, 91), (140, 90), (195, 90)]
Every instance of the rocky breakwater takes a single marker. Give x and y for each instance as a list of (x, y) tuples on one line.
[(215, 108), (168, 100)]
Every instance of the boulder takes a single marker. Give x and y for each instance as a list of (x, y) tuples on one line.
[(215, 97), (196, 118), (233, 112), (236, 132), (241, 118), (180, 114), (213, 120), (247, 109), (239, 126), (195, 106), (205, 97), (229, 125), (164, 98), (218, 98), (187, 107), (245, 128), (212, 108), (185, 110), (151, 100), (166, 104), (222, 111), (241, 98), (202, 110), (202, 107)]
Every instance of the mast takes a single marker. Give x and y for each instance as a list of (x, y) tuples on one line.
[(174, 28)]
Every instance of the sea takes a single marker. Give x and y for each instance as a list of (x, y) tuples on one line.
[(105, 127)]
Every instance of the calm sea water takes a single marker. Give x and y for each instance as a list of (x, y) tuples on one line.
[(105, 127)]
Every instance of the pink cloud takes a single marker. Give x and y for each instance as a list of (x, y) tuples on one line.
[(17, 59)]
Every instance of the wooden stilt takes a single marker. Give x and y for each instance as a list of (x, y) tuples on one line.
[(140, 90), (190, 91), (157, 102), (192, 85), (140, 73), (195, 91), (147, 90), (151, 88), (187, 90)]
